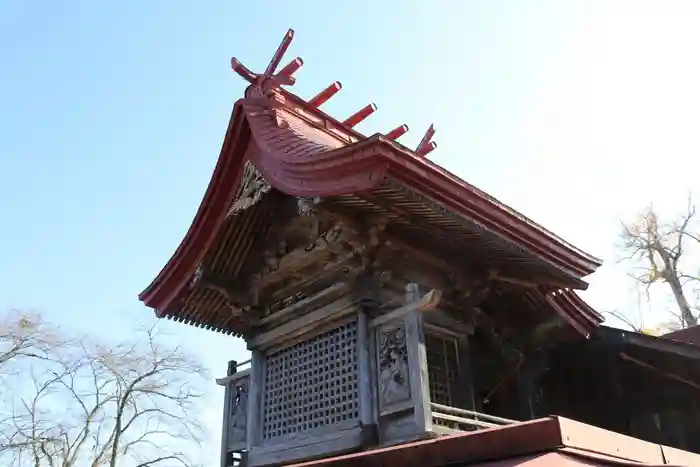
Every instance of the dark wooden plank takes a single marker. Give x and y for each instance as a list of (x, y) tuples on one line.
[(306, 303), (366, 393), (333, 441), (303, 324)]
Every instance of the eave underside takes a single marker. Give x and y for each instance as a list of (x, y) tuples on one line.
[(423, 225), (463, 240), (208, 308)]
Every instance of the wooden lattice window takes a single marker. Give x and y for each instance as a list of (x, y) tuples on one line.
[(443, 368), (312, 384)]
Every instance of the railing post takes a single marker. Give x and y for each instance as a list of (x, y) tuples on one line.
[(418, 363), (236, 418), (255, 390), (226, 458), (232, 368)]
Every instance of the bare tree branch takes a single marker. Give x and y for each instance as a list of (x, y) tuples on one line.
[(135, 403), (657, 253), (25, 335), (625, 320)]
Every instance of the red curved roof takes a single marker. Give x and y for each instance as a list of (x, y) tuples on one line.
[(208, 220), (303, 152)]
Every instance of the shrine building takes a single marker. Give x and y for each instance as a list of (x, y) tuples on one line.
[(398, 315)]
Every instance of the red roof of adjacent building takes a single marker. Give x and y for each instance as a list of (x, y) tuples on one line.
[(690, 335), (553, 441), (302, 151)]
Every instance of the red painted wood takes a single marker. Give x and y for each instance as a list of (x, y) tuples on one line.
[(397, 132), (356, 118), (292, 67), (323, 96)]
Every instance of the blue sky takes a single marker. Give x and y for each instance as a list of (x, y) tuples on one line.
[(112, 115)]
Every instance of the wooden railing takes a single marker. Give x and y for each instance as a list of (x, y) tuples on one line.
[(450, 419)]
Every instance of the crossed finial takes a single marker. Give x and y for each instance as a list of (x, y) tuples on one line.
[(284, 77), (271, 79)]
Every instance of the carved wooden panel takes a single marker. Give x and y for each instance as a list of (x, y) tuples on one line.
[(253, 187), (392, 365), (443, 368), (238, 413), (312, 384)]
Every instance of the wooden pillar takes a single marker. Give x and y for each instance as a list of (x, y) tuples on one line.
[(403, 394), (418, 370), (255, 392), (366, 382)]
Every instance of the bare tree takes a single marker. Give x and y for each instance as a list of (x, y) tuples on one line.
[(24, 335), (133, 404), (666, 253)]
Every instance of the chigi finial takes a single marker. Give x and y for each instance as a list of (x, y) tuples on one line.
[(285, 77), (427, 144)]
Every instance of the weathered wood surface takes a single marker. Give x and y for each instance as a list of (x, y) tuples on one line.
[(393, 368), (418, 371), (322, 442), (226, 380), (305, 304), (255, 392), (303, 324), (428, 302), (224, 427), (364, 376)]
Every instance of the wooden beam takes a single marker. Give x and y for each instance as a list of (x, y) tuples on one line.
[(307, 302), (234, 377), (303, 324), (428, 302), (614, 336), (665, 373)]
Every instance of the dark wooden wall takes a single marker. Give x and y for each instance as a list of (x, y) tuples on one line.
[(589, 382)]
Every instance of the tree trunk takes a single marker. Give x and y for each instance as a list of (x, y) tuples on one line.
[(686, 313), (670, 275)]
